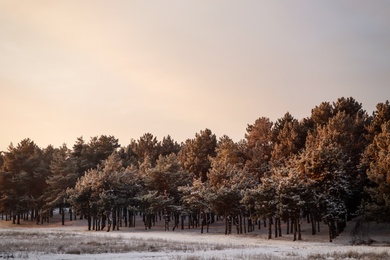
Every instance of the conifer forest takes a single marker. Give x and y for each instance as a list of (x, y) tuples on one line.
[(326, 168)]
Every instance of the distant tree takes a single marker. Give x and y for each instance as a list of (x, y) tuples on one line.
[(349, 106), (169, 146), (196, 152), (99, 149), (289, 136), (259, 146), (128, 156), (321, 114), (23, 178), (230, 152), (146, 146), (63, 176), (166, 177), (89, 155), (1, 160), (380, 116)]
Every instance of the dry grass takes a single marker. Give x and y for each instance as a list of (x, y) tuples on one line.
[(352, 255), (81, 243)]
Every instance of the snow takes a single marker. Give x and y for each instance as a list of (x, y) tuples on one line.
[(245, 246)]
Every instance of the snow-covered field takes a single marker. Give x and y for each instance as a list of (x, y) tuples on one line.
[(44, 242)]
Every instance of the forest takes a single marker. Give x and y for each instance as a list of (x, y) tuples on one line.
[(329, 168)]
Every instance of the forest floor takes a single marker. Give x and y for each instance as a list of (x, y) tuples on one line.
[(73, 241)]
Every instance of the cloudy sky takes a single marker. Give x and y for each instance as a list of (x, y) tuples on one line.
[(124, 68)]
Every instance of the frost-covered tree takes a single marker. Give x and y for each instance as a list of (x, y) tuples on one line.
[(105, 192), (293, 196), (262, 201), (227, 178), (326, 163), (196, 202), (150, 203)]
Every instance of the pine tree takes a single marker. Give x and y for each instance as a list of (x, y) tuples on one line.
[(196, 153), (259, 146), (146, 146), (377, 156), (23, 178), (289, 137), (63, 176)]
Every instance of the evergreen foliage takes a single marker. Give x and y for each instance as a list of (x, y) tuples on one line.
[(327, 167)]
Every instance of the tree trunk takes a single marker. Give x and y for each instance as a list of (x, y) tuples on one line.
[(134, 216), (313, 224), (226, 224), (89, 221), (299, 228), (280, 227), (276, 227), (240, 216), (208, 219), (118, 218), (270, 228), (125, 216), (288, 226), (318, 226), (103, 221), (244, 220), (62, 216), (202, 221), (114, 222), (94, 223), (109, 221), (295, 224)]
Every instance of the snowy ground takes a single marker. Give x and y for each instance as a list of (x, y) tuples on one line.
[(214, 245)]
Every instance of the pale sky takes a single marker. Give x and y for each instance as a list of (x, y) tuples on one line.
[(124, 68)]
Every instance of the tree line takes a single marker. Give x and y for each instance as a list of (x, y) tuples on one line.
[(328, 167)]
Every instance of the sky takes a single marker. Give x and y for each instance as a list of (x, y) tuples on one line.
[(129, 67)]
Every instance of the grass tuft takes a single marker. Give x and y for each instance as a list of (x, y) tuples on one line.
[(353, 255)]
